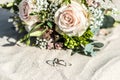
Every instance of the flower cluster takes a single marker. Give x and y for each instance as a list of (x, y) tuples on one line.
[(58, 24)]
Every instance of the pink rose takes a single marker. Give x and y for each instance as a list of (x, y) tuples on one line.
[(25, 8), (71, 19)]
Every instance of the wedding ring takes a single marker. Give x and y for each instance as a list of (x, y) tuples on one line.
[(57, 61)]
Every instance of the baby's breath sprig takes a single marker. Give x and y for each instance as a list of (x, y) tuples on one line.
[(96, 21)]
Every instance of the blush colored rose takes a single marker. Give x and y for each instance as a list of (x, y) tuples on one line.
[(71, 19), (25, 8)]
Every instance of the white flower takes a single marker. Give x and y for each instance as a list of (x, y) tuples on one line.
[(41, 4), (25, 8), (71, 19)]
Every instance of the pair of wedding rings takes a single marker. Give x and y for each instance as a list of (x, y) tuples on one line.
[(57, 61)]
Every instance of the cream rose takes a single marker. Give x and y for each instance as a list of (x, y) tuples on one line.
[(71, 19), (25, 8)]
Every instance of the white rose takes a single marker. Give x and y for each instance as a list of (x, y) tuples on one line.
[(25, 8), (71, 19)]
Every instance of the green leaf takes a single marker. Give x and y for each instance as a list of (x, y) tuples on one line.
[(89, 49), (109, 0), (2, 5), (26, 37), (37, 33), (33, 13), (10, 4), (97, 44), (92, 48), (95, 30), (36, 27), (108, 21), (83, 1), (67, 2), (50, 24), (28, 42)]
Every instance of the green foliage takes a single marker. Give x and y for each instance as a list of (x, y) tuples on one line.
[(91, 48), (77, 41), (17, 1), (37, 33), (50, 24), (43, 15), (11, 6), (38, 26), (84, 2), (33, 13), (69, 42), (66, 2), (88, 50), (95, 30), (108, 22), (7, 5), (86, 37), (28, 41)]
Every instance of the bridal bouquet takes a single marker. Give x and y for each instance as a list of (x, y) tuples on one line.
[(58, 24)]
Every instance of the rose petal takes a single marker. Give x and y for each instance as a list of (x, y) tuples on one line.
[(71, 19), (25, 8)]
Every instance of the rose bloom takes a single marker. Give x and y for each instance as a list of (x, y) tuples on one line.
[(71, 19), (25, 8)]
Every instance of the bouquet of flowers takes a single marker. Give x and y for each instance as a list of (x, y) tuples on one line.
[(58, 24)]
